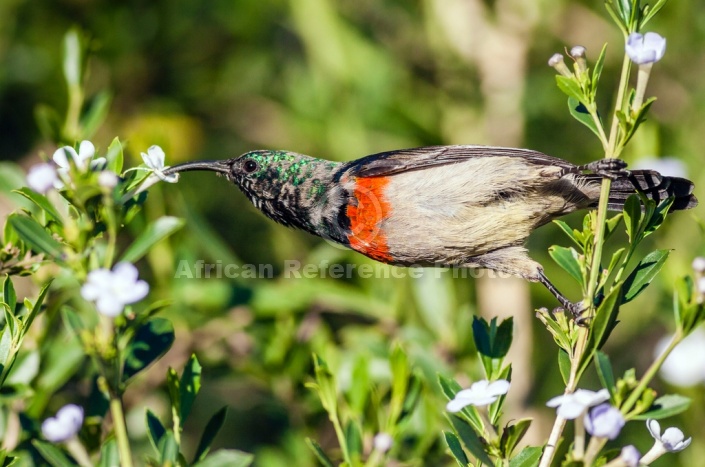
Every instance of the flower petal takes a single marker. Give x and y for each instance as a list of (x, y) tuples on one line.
[(86, 151), (456, 405), (156, 156), (570, 409), (61, 156), (498, 388), (109, 306), (654, 428)]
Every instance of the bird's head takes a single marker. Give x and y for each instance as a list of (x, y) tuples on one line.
[(272, 180)]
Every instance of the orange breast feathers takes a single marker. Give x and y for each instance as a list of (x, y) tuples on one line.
[(366, 218)]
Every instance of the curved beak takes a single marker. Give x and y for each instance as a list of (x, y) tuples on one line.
[(213, 166)]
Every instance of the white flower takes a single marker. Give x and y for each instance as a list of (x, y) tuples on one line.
[(699, 264), (672, 440), (701, 286), (83, 158), (644, 49), (154, 159), (107, 179), (383, 442), (64, 425), (112, 290), (42, 177), (685, 366), (479, 394), (668, 166), (572, 406)]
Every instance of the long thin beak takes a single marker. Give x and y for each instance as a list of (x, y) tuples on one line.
[(213, 166)]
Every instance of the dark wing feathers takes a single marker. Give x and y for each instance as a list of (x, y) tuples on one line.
[(393, 162)]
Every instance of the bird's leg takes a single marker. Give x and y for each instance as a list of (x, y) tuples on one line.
[(608, 168), (575, 309)]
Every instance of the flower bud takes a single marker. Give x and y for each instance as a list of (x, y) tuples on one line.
[(556, 61), (578, 54), (699, 264)]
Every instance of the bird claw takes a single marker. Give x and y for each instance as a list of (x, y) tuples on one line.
[(576, 312), (608, 168)]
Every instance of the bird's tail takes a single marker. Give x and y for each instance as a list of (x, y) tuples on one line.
[(655, 186)]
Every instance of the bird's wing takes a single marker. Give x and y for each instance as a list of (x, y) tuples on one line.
[(394, 162)]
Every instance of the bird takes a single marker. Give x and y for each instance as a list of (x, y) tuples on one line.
[(465, 206)]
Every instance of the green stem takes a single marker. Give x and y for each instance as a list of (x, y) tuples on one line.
[(650, 373), (341, 436), (73, 114), (582, 339), (594, 447), (120, 431)]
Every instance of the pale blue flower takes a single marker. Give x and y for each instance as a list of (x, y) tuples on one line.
[(64, 425), (646, 48), (604, 421)]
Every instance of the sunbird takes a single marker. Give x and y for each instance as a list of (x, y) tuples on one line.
[(447, 206)]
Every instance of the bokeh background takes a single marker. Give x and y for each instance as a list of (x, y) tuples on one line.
[(341, 79)]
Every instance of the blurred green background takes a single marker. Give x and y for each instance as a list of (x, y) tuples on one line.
[(341, 79)]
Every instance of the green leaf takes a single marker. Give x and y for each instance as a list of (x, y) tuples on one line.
[(95, 115), (604, 371), (72, 321), (399, 364), (155, 232), (34, 235), (564, 365), (190, 385), (34, 311), (513, 434), (581, 114), (570, 87), (209, 433), (168, 449), (643, 274), (569, 232), (150, 342), (109, 454), (470, 439), (173, 383), (359, 385), (353, 439), (449, 387), (9, 296), (602, 325), (42, 202), (227, 458), (567, 258), (597, 70), (320, 454), (650, 12), (53, 455), (611, 225), (632, 217), (155, 430), (491, 340), (114, 156), (528, 457), (666, 406), (456, 449)]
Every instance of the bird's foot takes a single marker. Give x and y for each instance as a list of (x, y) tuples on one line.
[(576, 312), (608, 168)]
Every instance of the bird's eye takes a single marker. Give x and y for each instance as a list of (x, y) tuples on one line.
[(250, 166)]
